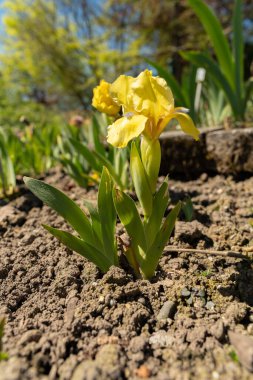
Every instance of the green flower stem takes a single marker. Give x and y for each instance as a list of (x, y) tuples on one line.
[(151, 159), (140, 181)]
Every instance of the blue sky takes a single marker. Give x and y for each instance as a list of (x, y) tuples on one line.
[(1, 16)]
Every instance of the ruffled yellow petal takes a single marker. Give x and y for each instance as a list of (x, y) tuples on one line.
[(151, 96), (186, 124), (103, 101), (120, 92), (126, 129)]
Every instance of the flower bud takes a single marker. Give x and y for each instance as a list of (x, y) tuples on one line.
[(103, 101)]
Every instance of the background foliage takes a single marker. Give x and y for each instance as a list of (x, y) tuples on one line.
[(54, 52)]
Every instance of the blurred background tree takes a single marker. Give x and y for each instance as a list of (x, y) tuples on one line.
[(54, 52)]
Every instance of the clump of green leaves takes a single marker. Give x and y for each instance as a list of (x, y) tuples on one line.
[(3, 355), (84, 155), (95, 238), (29, 150), (228, 72), (148, 233), (206, 273), (147, 229)]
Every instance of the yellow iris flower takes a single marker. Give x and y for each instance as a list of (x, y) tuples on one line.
[(147, 105), (103, 101)]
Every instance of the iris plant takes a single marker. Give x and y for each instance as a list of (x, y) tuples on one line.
[(141, 106)]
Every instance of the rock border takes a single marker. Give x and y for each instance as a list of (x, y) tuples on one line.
[(217, 151)]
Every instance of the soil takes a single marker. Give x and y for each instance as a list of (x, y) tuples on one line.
[(182, 157), (194, 320)]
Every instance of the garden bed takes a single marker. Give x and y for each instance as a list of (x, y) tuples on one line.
[(66, 320), (218, 151)]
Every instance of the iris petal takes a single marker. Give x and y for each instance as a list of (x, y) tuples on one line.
[(126, 129), (151, 96), (120, 91), (186, 124)]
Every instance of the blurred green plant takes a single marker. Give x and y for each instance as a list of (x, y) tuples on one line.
[(188, 209), (228, 71), (7, 173), (83, 156), (66, 41), (207, 273), (40, 148), (3, 355), (233, 355), (32, 149), (96, 240), (214, 109)]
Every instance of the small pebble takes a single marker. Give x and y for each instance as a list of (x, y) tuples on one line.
[(101, 299), (142, 300), (210, 305), (107, 299), (113, 302), (189, 301), (185, 293), (204, 177), (251, 317), (28, 239), (201, 293), (167, 311), (218, 330), (143, 372), (215, 375)]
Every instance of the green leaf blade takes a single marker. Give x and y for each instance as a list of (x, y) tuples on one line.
[(95, 224), (88, 155), (213, 69), (63, 205), (130, 218), (155, 251), (238, 47), (105, 162), (96, 133), (107, 215), (215, 33), (140, 181), (81, 247), (160, 203)]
